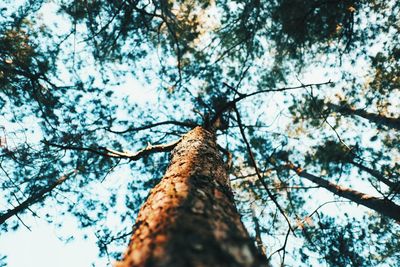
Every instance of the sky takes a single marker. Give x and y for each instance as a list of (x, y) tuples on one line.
[(44, 246), (45, 243)]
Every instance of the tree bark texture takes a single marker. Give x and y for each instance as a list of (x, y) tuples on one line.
[(189, 218), (382, 206)]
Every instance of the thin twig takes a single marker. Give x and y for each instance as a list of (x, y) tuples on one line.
[(34, 198), (231, 104), (270, 195), (27, 227)]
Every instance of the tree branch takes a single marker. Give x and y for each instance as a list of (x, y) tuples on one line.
[(382, 206), (393, 123), (270, 195), (231, 104), (143, 152), (392, 185), (34, 198), (145, 127), (107, 152)]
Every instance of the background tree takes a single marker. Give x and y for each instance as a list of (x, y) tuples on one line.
[(66, 72)]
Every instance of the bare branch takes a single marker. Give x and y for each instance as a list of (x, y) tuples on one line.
[(394, 186), (145, 127), (393, 123), (231, 104), (108, 152), (34, 198), (382, 206), (144, 152), (270, 195)]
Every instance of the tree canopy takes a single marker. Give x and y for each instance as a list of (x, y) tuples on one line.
[(305, 94)]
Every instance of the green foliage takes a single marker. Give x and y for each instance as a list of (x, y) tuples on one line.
[(303, 24), (67, 97), (339, 245), (3, 262)]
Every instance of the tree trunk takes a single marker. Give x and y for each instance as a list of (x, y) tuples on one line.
[(189, 218), (393, 123), (382, 206)]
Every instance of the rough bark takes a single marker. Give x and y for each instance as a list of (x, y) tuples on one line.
[(189, 218), (382, 206), (393, 123)]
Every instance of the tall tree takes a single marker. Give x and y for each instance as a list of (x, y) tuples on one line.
[(189, 218), (245, 70)]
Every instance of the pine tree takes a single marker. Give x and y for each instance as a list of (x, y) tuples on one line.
[(189, 218), (301, 155)]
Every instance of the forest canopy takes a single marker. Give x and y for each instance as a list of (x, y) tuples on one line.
[(303, 95)]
